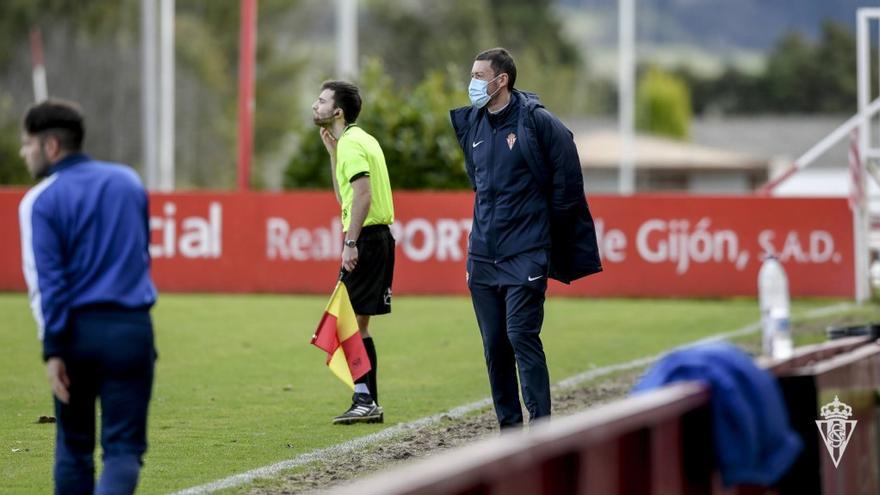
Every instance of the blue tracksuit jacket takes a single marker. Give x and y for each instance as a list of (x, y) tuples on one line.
[(754, 441), (84, 241)]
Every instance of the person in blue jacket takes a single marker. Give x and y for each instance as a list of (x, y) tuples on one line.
[(85, 253), (531, 222)]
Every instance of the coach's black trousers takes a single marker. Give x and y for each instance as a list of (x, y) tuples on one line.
[(508, 300)]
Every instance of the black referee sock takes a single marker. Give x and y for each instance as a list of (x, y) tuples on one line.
[(374, 364)]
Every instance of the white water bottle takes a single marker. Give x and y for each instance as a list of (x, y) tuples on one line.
[(775, 309)]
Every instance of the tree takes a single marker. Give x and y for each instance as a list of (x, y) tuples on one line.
[(531, 26), (836, 81), (663, 104), (801, 76), (93, 56), (415, 38), (12, 168), (790, 75), (102, 18), (208, 51), (96, 16)]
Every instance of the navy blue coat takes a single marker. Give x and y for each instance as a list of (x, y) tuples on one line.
[(552, 157)]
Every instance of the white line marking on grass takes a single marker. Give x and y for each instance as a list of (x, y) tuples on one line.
[(636, 363), (457, 412), (342, 448)]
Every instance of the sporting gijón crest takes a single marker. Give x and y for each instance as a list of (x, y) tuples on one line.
[(836, 429), (511, 138)]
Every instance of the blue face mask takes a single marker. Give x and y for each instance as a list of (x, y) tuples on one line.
[(478, 91)]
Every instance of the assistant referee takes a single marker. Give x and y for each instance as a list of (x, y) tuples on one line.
[(360, 180)]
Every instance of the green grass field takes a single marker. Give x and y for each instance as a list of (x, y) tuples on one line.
[(239, 387)]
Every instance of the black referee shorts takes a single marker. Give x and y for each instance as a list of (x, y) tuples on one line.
[(369, 285)]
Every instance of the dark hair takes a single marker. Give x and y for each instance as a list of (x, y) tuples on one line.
[(346, 96), (501, 61), (62, 119)]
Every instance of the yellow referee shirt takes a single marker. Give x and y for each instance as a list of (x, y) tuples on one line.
[(357, 154)]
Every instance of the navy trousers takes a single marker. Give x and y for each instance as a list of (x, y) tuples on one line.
[(110, 354), (508, 300)]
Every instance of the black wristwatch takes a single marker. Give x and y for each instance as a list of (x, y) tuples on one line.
[(350, 243)]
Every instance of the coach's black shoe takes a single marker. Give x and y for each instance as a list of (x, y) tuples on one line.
[(363, 410)]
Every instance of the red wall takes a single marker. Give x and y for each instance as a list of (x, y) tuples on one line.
[(655, 246)]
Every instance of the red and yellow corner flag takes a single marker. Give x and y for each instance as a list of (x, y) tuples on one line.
[(338, 336)]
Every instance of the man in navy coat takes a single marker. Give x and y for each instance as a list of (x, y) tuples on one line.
[(531, 222)]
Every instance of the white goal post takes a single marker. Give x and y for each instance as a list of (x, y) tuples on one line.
[(868, 146)]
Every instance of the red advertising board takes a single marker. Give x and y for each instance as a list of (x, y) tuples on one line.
[(652, 246)]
